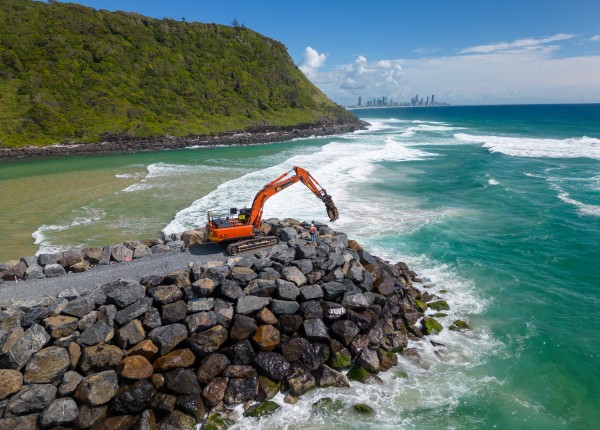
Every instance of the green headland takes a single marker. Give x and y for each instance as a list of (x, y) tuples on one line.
[(73, 74)]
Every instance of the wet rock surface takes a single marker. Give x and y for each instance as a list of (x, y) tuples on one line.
[(168, 351)]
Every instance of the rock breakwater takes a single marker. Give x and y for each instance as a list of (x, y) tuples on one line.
[(184, 348), (117, 143)]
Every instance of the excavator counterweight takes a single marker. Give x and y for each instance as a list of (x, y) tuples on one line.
[(241, 228)]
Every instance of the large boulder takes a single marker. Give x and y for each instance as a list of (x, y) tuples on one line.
[(211, 367), (47, 365), (266, 337), (250, 304), (98, 388), (125, 292), (130, 334), (135, 367), (59, 412), (60, 326), (79, 307), (287, 290), (241, 390), (166, 294), (243, 275), (327, 377), (11, 382), (69, 258), (31, 398), (282, 254), (208, 341), (293, 274), (133, 399), (242, 327), (201, 321), (34, 339), (97, 333), (54, 270), (180, 358), (315, 330), (345, 331), (168, 337), (100, 357), (272, 365), (214, 391), (134, 310), (300, 380), (177, 420), (121, 253), (194, 237)]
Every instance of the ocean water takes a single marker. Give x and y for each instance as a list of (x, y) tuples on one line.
[(496, 207)]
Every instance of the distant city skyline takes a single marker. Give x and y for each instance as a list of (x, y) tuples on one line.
[(471, 52), (386, 101)]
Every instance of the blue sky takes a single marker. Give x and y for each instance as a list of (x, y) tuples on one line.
[(466, 51)]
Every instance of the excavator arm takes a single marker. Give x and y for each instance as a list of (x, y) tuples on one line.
[(281, 183)]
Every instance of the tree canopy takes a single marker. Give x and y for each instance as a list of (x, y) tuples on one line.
[(70, 73)]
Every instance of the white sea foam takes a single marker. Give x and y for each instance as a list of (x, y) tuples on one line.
[(577, 147), (493, 182), (582, 208), (157, 172), (41, 235), (340, 164)]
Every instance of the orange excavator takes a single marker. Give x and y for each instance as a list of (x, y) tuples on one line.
[(240, 228)]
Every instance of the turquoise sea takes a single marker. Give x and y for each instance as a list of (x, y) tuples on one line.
[(496, 207)]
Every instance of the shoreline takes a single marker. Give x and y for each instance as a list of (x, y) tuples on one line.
[(121, 144)]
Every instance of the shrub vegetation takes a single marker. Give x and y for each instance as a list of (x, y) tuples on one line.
[(70, 73)]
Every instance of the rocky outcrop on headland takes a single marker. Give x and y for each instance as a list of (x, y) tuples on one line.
[(116, 143), (174, 350)]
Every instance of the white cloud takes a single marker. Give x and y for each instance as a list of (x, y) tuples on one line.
[(362, 75), (529, 44), (311, 62), (526, 71), (595, 38)]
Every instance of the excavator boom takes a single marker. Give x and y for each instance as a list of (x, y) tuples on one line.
[(284, 181), (247, 222)]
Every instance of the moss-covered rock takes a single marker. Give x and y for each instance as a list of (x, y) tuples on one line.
[(439, 305), (262, 409), (460, 325), (387, 359), (359, 374), (422, 306), (327, 405), (431, 326), (217, 421), (340, 360), (439, 315), (361, 408)]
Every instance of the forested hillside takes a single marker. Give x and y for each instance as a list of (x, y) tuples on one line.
[(69, 73)]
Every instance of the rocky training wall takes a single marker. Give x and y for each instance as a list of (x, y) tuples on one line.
[(174, 351)]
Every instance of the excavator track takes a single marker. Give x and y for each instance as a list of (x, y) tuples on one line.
[(252, 244)]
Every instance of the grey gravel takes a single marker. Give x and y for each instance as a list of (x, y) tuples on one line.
[(156, 264)]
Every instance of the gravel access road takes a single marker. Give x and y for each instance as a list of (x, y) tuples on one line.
[(157, 264)]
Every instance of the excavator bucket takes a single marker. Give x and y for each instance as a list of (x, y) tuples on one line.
[(332, 211)]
